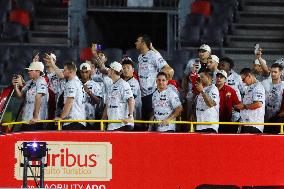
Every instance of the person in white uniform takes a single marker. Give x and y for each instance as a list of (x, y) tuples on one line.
[(56, 83), (127, 75), (166, 104), (92, 95), (120, 102), (274, 88), (207, 105), (149, 64), (35, 96), (74, 107), (253, 103)]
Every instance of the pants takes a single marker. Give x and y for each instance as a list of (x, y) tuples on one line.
[(124, 128), (228, 129), (250, 129), (209, 130), (33, 127), (273, 129), (73, 126), (147, 111)]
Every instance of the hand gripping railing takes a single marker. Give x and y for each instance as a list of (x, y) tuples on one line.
[(102, 128)]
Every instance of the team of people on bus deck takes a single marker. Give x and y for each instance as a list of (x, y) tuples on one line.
[(211, 91)]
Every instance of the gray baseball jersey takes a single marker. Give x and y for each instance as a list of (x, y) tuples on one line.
[(31, 89), (148, 67)]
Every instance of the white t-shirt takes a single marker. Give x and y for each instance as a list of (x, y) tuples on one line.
[(117, 103), (273, 97), (90, 107), (205, 113), (190, 64), (74, 89), (148, 67), (104, 81), (135, 88), (31, 89), (234, 80), (56, 84), (164, 104), (253, 93)]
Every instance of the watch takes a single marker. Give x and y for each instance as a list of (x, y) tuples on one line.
[(130, 115)]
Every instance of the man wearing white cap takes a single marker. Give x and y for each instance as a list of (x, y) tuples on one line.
[(120, 102), (73, 97), (212, 65), (92, 94), (35, 96), (228, 99), (200, 63)]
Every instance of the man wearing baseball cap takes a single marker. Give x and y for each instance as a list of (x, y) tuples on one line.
[(200, 63), (35, 96), (212, 65), (120, 102), (92, 94), (228, 99)]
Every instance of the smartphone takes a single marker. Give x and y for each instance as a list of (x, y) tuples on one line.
[(98, 47), (256, 48)]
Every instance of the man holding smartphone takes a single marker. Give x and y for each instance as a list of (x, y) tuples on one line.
[(207, 105), (35, 96)]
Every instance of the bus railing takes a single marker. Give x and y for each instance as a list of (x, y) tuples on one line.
[(102, 122)]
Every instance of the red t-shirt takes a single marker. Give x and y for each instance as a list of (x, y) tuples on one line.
[(174, 83), (228, 98), (193, 78)]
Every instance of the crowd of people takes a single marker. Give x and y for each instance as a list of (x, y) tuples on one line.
[(211, 91)]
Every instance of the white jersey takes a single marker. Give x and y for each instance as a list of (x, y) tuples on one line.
[(90, 107), (104, 81), (56, 84), (31, 89), (164, 104), (74, 89), (135, 88), (273, 98), (190, 64), (205, 113), (148, 67), (253, 93), (214, 76), (117, 103), (234, 80)]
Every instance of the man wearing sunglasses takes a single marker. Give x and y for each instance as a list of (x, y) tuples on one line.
[(253, 103)]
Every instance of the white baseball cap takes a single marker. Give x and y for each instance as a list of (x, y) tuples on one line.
[(258, 63), (205, 47), (53, 56), (37, 66), (85, 66), (223, 73), (116, 66), (215, 58)]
